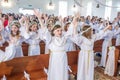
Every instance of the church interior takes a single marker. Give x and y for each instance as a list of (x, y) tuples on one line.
[(59, 39)]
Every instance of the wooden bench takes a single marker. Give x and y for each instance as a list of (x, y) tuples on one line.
[(117, 60), (25, 47), (98, 45), (73, 61), (117, 52), (33, 65)]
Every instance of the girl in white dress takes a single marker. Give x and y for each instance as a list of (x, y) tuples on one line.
[(32, 34), (106, 43), (15, 35), (117, 35), (70, 46), (58, 65), (2, 39), (85, 40), (9, 52)]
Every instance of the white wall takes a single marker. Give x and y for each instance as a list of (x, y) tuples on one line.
[(42, 4), (115, 10), (98, 11)]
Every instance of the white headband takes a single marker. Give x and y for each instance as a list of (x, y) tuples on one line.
[(86, 30)]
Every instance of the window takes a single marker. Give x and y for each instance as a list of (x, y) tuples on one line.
[(89, 8), (26, 11), (108, 9), (63, 8)]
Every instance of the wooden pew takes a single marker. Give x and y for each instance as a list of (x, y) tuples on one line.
[(5, 70), (42, 47), (73, 61), (36, 67), (98, 45), (33, 65), (4, 46), (117, 61), (25, 48), (18, 65), (117, 53)]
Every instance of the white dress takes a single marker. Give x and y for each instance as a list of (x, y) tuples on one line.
[(86, 55), (8, 54), (18, 47), (70, 46), (106, 43), (117, 34), (33, 41), (110, 64), (42, 34), (2, 41), (58, 64)]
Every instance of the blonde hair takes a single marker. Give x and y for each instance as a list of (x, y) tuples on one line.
[(16, 23), (31, 24)]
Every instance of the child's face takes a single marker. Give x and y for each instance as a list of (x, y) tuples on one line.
[(110, 28), (58, 32), (14, 29), (116, 27), (34, 28)]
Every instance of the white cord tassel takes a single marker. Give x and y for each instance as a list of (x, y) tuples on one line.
[(69, 69), (109, 69), (4, 78), (46, 70), (26, 75)]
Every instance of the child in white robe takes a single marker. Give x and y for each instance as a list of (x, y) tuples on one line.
[(33, 39), (117, 35), (58, 65), (2, 39), (70, 46), (106, 43), (85, 40), (15, 35), (55, 41), (9, 52)]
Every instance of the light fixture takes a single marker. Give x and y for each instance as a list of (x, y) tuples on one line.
[(97, 6), (51, 6), (74, 7), (50, 3), (6, 3)]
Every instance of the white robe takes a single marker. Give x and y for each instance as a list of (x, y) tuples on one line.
[(117, 34), (58, 64), (86, 55), (106, 43), (110, 65), (18, 47), (33, 41), (8, 54)]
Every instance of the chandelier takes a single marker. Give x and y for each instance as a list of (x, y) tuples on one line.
[(6, 3)]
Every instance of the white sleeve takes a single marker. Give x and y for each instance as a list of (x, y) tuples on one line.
[(77, 39), (8, 54), (117, 32), (2, 41), (45, 35), (100, 35)]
